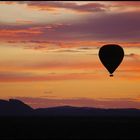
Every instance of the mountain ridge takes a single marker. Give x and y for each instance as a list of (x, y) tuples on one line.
[(15, 107)]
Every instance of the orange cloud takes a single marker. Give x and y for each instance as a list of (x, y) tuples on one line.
[(33, 76), (56, 46), (5, 32), (55, 5), (126, 4), (50, 77), (7, 2), (24, 21)]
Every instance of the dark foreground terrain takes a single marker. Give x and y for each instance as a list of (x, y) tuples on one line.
[(20, 121), (69, 128)]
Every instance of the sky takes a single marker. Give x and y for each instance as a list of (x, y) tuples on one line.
[(49, 53)]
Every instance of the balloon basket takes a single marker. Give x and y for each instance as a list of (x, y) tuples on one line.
[(111, 75)]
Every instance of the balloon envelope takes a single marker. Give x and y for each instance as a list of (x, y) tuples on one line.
[(111, 56)]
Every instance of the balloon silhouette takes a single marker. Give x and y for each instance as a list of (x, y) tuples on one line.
[(111, 56)]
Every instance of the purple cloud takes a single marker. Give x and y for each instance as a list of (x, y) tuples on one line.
[(53, 5), (99, 103), (106, 27)]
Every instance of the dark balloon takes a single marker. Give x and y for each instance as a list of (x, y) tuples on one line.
[(111, 56)]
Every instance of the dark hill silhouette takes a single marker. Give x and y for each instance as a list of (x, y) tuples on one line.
[(67, 122), (15, 107), (85, 111)]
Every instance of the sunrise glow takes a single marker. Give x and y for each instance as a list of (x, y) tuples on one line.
[(49, 53)]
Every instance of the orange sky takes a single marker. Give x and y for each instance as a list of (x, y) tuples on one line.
[(49, 52)]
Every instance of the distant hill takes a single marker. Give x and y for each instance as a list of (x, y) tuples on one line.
[(85, 111), (15, 107)]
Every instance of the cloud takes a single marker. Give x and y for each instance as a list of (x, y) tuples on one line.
[(19, 32), (133, 55), (48, 92), (22, 21), (83, 102), (125, 4), (117, 27), (28, 77), (87, 48), (55, 5), (67, 50), (79, 6)]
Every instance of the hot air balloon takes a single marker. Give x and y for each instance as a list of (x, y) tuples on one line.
[(111, 56)]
